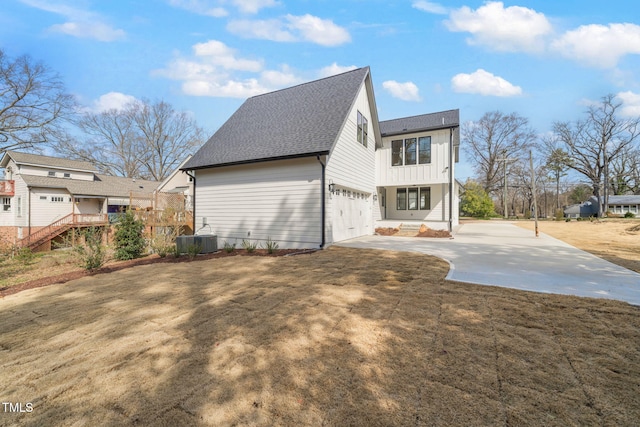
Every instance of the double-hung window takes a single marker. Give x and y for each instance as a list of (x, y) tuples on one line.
[(362, 129), (411, 151)]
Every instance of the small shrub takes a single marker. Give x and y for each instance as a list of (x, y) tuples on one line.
[(249, 246), (129, 242), (25, 256), (228, 247), (92, 254), (629, 215), (193, 250), (164, 243), (559, 215), (271, 246), (567, 220), (579, 219)]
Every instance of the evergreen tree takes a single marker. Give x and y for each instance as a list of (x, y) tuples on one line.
[(129, 242)]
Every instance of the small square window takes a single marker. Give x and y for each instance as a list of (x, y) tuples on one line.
[(67, 175), (43, 197), (6, 204), (52, 174)]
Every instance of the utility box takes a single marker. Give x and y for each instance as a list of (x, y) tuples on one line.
[(208, 243)]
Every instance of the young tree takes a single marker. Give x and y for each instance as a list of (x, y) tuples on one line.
[(475, 201), (33, 103), (492, 141), (556, 163), (594, 143)]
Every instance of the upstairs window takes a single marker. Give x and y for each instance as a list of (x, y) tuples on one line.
[(51, 174), (424, 148), (397, 149), (411, 151), (57, 199), (362, 129)]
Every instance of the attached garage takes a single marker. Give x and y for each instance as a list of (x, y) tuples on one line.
[(351, 214)]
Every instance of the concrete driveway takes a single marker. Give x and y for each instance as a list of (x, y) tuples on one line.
[(502, 254)]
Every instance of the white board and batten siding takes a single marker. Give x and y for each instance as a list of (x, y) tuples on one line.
[(434, 172), (351, 168), (279, 200)]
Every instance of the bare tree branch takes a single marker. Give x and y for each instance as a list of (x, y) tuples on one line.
[(33, 103)]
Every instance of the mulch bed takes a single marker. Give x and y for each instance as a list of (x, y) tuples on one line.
[(151, 259)]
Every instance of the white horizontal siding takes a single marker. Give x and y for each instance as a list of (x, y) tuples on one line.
[(432, 173), (44, 212), (59, 173), (279, 200)]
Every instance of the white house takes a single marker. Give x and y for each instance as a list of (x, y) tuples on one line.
[(43, 195), (308, 166)]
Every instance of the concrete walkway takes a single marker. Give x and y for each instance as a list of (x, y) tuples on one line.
[(502, 254)]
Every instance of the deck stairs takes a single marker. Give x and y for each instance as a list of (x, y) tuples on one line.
[(56, 228)]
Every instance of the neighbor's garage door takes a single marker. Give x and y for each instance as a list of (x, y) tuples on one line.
[(351, 215)]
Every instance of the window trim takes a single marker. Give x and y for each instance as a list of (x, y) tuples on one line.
[(404, 199), (362, 134), (403, 152)]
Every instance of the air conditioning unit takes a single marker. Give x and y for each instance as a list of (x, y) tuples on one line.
[(208, 243)]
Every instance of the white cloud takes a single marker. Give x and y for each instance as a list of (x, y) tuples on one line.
[(510, 29), (270, 29), (282, 78), (599, 45), (484, 83), (218, 54), (630, 103), (407, 91), (254, 6), (430, 7), (89, 30), (292, 28), (81, 23), (201, 7), (333, 69), (112, 101)]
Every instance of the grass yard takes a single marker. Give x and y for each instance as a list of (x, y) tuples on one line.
[(339, 337), (615, 240)]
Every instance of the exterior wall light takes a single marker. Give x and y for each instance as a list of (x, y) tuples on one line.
[(332, 188)]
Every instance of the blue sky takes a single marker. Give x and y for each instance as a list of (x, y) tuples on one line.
[(545, 60)]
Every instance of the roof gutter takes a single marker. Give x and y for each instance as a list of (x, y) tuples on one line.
[(268, 159), (193, 201), (322, 203)]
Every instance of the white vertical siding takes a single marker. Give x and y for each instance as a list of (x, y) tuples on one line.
[(351, 166), (435, 214), (278, 200), (434, 172)]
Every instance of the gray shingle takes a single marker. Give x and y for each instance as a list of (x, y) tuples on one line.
[(46, 161), (431, 121), (301, 120), (102, 185)]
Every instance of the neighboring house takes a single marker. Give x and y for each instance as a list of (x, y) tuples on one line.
[(179, 182), (49, 194), (307, 166), (618, 205)]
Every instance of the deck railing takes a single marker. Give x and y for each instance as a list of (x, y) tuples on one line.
[(60, 225)]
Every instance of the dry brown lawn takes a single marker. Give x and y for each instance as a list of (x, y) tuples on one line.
[(615, 240), (339, 337)]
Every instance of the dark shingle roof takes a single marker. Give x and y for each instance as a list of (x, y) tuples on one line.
[(624, 200), (47, 161), (102, 185), (440, 120), (294, 122)]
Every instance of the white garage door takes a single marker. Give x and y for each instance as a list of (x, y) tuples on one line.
[(351, 214)]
